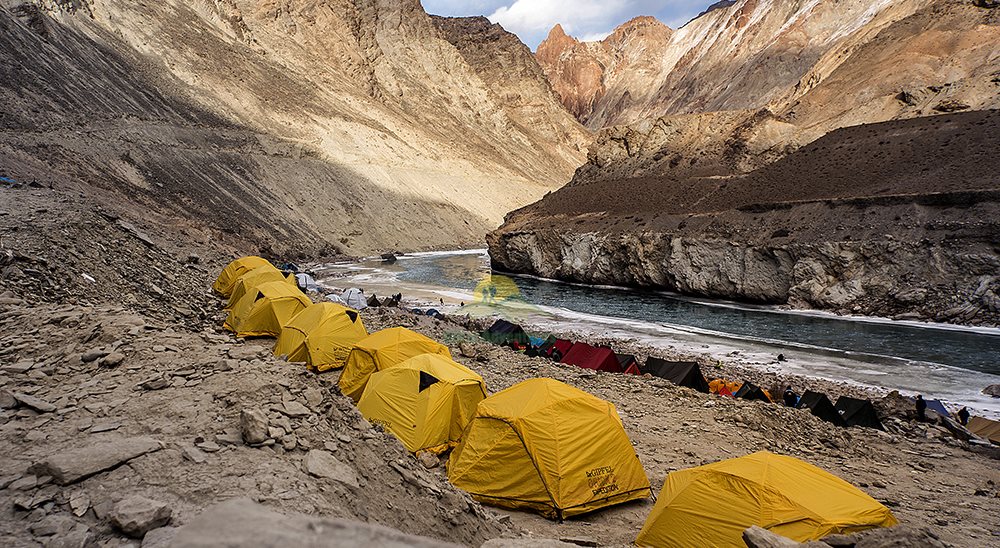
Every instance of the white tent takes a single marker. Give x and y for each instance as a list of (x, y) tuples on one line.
[(355, 298), (307, 282), (336, 299)]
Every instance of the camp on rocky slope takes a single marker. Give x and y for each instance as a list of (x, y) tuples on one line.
[(156, 392)]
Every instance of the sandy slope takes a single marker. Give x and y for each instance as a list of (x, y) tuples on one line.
[(334, 125)]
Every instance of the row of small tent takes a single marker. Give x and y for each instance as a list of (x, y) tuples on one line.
[(847, 411), (542, 445)]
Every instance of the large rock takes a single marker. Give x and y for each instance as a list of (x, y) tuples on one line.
[(159, 538), (242, 522), (253, 426), (758, 537), (992, 390), (324, 465), (135, 516), (37, 404), (76, 464)]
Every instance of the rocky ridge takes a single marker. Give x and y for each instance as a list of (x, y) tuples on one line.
[(753, 54), (587, 75)]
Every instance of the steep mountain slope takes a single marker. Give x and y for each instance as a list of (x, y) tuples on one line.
[(298, 123), (754, 54), (941, 58), (658, 194), (508, 68)]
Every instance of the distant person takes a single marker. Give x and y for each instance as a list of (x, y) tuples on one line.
[(963, 416), (921, 408), (790, 397), (781, 357)]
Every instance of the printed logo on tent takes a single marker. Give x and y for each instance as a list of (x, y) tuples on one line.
[(602, 480)]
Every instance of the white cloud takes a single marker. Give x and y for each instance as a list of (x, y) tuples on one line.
[(594, 37), (586, 19), (537, 16)]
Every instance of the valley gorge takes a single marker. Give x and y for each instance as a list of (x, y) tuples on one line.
[(784, 194)]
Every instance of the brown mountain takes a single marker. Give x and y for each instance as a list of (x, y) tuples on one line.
[(591, 77), (755, 89), (296, 123)]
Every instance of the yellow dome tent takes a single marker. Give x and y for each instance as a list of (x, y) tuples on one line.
[(265, 310), (227, 279), (425, 401), (322, 336), (250, 281), (712, 505), (383, 350), (548, 447)]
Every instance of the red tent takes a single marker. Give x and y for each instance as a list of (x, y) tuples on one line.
[(560, 348), (589, 357), (633, 369)]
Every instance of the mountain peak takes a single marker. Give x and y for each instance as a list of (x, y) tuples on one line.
[(557, 33), (640, 22)]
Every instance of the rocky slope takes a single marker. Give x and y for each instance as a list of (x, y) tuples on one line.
[(111, 348), (299, 125), (896, 219)]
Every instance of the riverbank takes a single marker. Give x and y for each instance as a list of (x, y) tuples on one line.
[(445, 280)]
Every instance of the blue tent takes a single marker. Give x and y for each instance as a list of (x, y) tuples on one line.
[(938, 407)]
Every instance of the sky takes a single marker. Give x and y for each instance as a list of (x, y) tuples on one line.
[(588, 20)]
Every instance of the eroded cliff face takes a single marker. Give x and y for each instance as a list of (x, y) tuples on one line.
[(293, 123), (749, 55), (894, 219)]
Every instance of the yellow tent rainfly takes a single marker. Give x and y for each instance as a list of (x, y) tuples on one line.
[(985, 428), (712, 505), (231, 274), (321, 336), (425, 401), (249, 281), (545, 446), (383, 350), (265, 310)]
